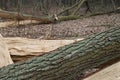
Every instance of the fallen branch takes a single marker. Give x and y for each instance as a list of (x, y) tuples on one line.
[(70, 17), (15, 16), (29, 19)]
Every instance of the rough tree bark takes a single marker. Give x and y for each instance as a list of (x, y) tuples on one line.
[(68, 62)]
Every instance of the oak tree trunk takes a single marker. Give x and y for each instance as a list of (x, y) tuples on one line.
[(69, 62)]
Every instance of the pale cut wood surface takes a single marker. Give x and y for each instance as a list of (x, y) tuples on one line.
[(5, 58), (110, 73), (23, 46)]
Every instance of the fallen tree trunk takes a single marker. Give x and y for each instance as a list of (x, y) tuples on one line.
[(23, 49), (70, 17), (19, 16), (29, 19), (43, 20), (69, 62), (16, 16), (16, 23)]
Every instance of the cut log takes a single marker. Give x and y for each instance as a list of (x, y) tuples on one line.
[(69, 62), (5, 58), (22, 48), (19, 16)]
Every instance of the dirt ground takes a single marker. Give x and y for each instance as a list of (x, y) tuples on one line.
[(66, 29)]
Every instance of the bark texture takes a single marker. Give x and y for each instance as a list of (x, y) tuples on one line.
[(69, 62)]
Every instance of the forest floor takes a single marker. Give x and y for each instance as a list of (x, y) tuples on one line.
[(66, 29)]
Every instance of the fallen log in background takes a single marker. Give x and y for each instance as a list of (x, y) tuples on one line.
[(17, 23), (43, 20), (23, 48), (69, 62), (19, 16), (5, 58)]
